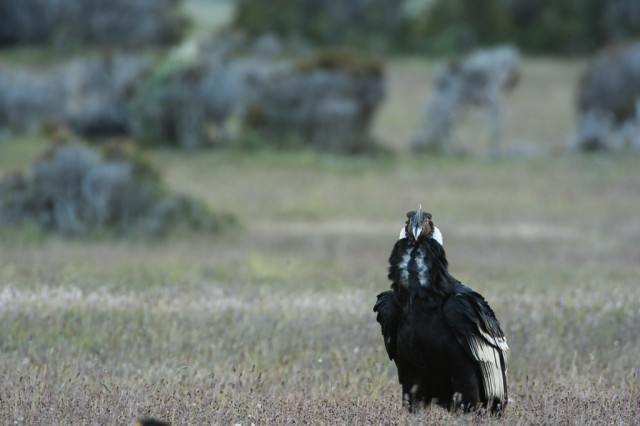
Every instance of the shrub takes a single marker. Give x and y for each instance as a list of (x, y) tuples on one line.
[(117, 22), (28, 98), (99, 90), (608, 101), (445, 26), (360, 23), (326, 100), (475, 81), (454, 26), (188, 99), (90, 95), (75, 190)]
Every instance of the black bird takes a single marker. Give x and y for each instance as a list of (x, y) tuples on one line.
[(150, 422), (443, 337)]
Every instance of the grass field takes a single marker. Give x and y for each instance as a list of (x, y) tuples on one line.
[(272, 323)]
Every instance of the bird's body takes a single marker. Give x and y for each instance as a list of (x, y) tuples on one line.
[(443, 336)]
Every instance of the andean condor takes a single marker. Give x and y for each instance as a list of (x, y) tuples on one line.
[(443, 337)]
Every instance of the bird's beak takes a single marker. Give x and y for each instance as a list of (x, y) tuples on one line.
[(416, 231)]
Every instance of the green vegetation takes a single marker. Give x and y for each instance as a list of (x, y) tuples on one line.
[(165, 93), (273, 323), (445, 27), (76, 190)]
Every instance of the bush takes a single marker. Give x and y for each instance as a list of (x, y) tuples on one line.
[(197, 94), (477, 80), (99, 90), (190, 97), (326, 100), (64, 22), (166, 110), (612, 82), (359, 23), (608, 101), (28, 97), (90, 95), (180, 100), (77, 191), (445, 26), (454, 26)]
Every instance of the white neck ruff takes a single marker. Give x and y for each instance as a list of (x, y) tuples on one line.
[(437, 235)]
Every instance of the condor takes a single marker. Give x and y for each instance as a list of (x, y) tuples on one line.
[(444, 338)]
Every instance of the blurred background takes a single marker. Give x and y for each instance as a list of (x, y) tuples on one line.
[(198, 199)]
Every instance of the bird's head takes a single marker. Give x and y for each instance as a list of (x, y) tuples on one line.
[(419, 226)]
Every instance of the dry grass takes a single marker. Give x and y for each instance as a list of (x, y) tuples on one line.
[(273, 324)]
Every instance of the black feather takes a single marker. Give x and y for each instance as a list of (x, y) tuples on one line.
[(387, 308), (148, 421)]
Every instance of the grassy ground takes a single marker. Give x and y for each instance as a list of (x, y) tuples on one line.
[(272, 324)]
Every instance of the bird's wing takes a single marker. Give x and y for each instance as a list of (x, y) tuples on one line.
[(388, 310), (478, 331)]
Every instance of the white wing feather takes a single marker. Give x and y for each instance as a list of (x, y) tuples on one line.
[(489, 359)]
